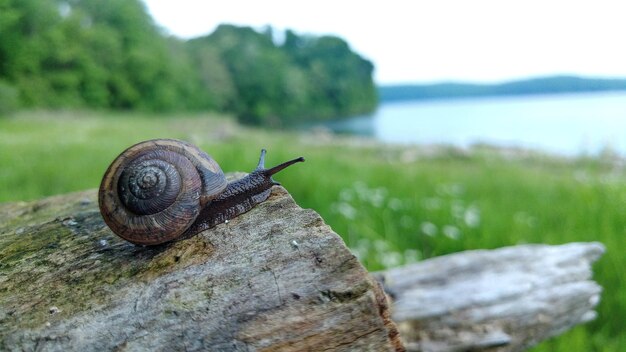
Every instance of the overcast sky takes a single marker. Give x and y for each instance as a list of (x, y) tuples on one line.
[(438, 40)]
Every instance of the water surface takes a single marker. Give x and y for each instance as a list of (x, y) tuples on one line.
[(569, 124)]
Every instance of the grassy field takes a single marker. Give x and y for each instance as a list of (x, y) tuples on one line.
[(392, 205)]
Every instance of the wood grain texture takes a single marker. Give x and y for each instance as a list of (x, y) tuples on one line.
[(274, 279), (506, 299)]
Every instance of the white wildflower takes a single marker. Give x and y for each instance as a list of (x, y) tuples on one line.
[(377, 196), (381, 246), (394, 204), (451, 231), (457, 209), (390, 259), (472, 217), (345, 209), (412, 256), (428, 228)]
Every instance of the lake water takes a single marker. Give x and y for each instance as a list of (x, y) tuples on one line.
[(569, 124)]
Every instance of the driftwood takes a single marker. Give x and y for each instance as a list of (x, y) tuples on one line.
[(279, 282), (276, 278), (506, 299)]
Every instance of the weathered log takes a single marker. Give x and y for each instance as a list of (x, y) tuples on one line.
[(506, 299), (276, 278)]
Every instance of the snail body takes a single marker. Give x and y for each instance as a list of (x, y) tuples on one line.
[(163, 189)]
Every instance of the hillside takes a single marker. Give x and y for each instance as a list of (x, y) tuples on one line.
[(544, 85)]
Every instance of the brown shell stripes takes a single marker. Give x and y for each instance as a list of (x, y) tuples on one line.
[(159, 190)]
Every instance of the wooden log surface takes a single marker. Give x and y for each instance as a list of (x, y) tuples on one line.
[(506, 299), (276, 278)]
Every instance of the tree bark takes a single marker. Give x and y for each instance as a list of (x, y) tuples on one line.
[(274, 279), (506, 299)]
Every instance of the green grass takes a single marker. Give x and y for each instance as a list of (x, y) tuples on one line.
[(392, 205)]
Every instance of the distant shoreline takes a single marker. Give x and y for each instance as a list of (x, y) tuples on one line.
[(533, 86)]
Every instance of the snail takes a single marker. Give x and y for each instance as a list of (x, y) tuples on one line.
[(164, 189)]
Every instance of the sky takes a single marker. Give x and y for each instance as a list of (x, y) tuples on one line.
[(437, 40)]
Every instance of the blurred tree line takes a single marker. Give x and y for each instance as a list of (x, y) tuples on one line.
[(110, 54)]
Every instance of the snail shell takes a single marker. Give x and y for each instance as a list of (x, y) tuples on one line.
[(154, 190)]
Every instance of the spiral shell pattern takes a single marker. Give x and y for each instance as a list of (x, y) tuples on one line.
[(150, 183), (152, 192)]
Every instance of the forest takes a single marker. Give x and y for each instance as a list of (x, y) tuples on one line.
[(93, 54)]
